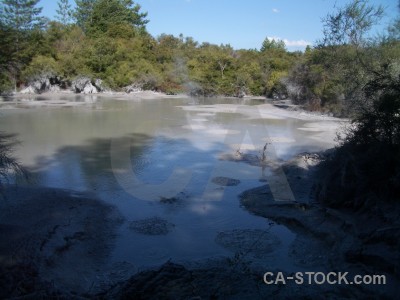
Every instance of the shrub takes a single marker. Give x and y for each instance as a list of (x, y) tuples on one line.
[(366, 168), (8, 163)]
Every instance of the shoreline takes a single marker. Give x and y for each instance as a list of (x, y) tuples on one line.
[(327, 240), (71, 94), (272, 108)]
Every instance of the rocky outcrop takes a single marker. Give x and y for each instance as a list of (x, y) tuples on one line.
[(51, 83), (45, 82), (83, 85), (99, 84), (28, 90)]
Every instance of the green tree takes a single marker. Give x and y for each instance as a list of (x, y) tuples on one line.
[(20, 18), (351, 24), (107, 14), (70, 47), (272, 44), (64, 12), (334, 72), (275, 62), (394, 28), (249, 74), (5, 54), (365, 169), (22, 15), (348, 49), (83, 12)]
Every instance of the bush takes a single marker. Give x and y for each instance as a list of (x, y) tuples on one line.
[(40, 65), (6, 85), (8, 164), (367, 165)]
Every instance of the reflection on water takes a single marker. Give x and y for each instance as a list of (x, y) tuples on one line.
[(71, 148)]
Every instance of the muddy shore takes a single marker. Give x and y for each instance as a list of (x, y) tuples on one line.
[(52, 240), (56, 243), (327, 240)]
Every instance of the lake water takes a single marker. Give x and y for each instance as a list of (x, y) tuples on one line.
[(158, 158)]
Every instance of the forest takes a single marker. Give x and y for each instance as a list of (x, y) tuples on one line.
[(108, 40)]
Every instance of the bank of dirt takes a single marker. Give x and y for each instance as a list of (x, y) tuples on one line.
[(53, 241)]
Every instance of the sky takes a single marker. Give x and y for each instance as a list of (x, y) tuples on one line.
[(244, 24)]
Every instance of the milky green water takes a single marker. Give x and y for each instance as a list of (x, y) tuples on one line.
[(126, 153)]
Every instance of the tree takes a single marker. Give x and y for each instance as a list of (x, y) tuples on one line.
[(223, 55), (83, 12), (272, 44), (350, 25), (107, 14), (394, 28), (22, 15), (349, 48), (335, 71), (64, 12), (365, 169), (19, 18), (5, 54)]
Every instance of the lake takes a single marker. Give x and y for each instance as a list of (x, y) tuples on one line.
[(159, 161)]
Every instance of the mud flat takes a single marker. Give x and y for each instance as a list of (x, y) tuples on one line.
[(53, 240), (326, 241), (56, 243), (361, 243)]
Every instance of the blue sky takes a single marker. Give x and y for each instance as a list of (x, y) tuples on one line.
[(242, 24)]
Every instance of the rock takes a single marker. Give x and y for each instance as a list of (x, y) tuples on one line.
[(133, 88), (99, 84), (54, 88), (241, 93), (90, 89), (79, 84), (28, 90), (84, 85), (225, 181), (42, 83)]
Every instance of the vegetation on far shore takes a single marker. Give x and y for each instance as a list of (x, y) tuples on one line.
[(108, 40)]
